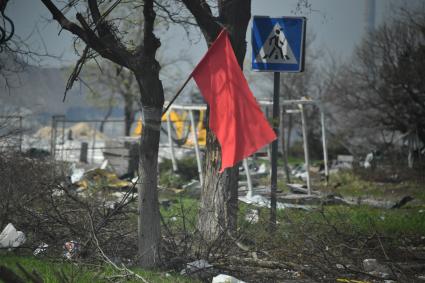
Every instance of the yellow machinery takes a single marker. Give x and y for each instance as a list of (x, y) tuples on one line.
[(178, 121)]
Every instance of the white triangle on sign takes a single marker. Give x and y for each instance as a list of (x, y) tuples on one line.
[(276, 49)]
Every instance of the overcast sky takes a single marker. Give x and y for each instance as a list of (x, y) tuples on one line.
[(338, 25)]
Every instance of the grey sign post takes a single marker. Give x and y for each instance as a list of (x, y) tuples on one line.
[(277, 46)]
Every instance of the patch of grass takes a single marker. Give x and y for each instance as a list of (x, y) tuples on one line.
[(361, 218), (181, 214), (348, 183), (52, 271), (187, 170)]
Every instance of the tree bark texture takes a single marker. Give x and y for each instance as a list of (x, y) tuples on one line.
[(219, 195), (152, 100), (148, 206)]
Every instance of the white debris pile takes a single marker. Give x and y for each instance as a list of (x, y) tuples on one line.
[(223, 278), (11, 238)]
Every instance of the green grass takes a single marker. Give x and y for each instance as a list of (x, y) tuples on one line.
[(182, 213), (51, 271), (347, 183), (362, 219)]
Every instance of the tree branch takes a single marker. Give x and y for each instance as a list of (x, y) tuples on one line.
[(206, 21), (110, 49)]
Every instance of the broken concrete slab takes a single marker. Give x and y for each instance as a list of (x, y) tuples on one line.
[(11, 238)]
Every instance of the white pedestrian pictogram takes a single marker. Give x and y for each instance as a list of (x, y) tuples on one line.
[(276, 48)]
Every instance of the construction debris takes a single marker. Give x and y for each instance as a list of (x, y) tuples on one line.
[(223, 278), (11, 238), (196, 267), (72, 249), (41, 249)]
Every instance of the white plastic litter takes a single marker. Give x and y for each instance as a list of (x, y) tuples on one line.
[(223, 278), (104, 164), (77, 174), (11, 238), (42, 248)]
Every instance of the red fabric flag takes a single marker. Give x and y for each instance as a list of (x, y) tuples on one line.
[(235, 116)]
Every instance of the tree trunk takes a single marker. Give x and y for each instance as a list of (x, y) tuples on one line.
[(128, 115), (148, 206), (219, 194), (108, 113)]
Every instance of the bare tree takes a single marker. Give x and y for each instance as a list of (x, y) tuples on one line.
[(102, 36), (381, 90), (115, 81)]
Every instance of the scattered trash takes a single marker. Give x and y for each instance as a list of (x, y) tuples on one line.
[(42, 248), (104, 164), (344, 162), (262, 169), (344, 280), (374, 268), (11, 238), (260, 201), (101, 178), (252, 215), (76, 174), (340, 266), (368, 160), (72, 249), (196, 266), (223, 278), (58, 192)]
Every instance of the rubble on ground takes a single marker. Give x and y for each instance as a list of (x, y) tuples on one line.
[(11, 238)]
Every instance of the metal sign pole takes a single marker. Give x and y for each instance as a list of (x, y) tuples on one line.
[(305, 138), (325, 148), (248, 178), (274, 153)]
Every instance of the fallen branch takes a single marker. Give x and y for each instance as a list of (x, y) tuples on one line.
[(123, 268)]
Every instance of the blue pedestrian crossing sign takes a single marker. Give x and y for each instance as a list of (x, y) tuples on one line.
[(278, 44)]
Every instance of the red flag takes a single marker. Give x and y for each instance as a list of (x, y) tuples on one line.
[(235, 116)]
